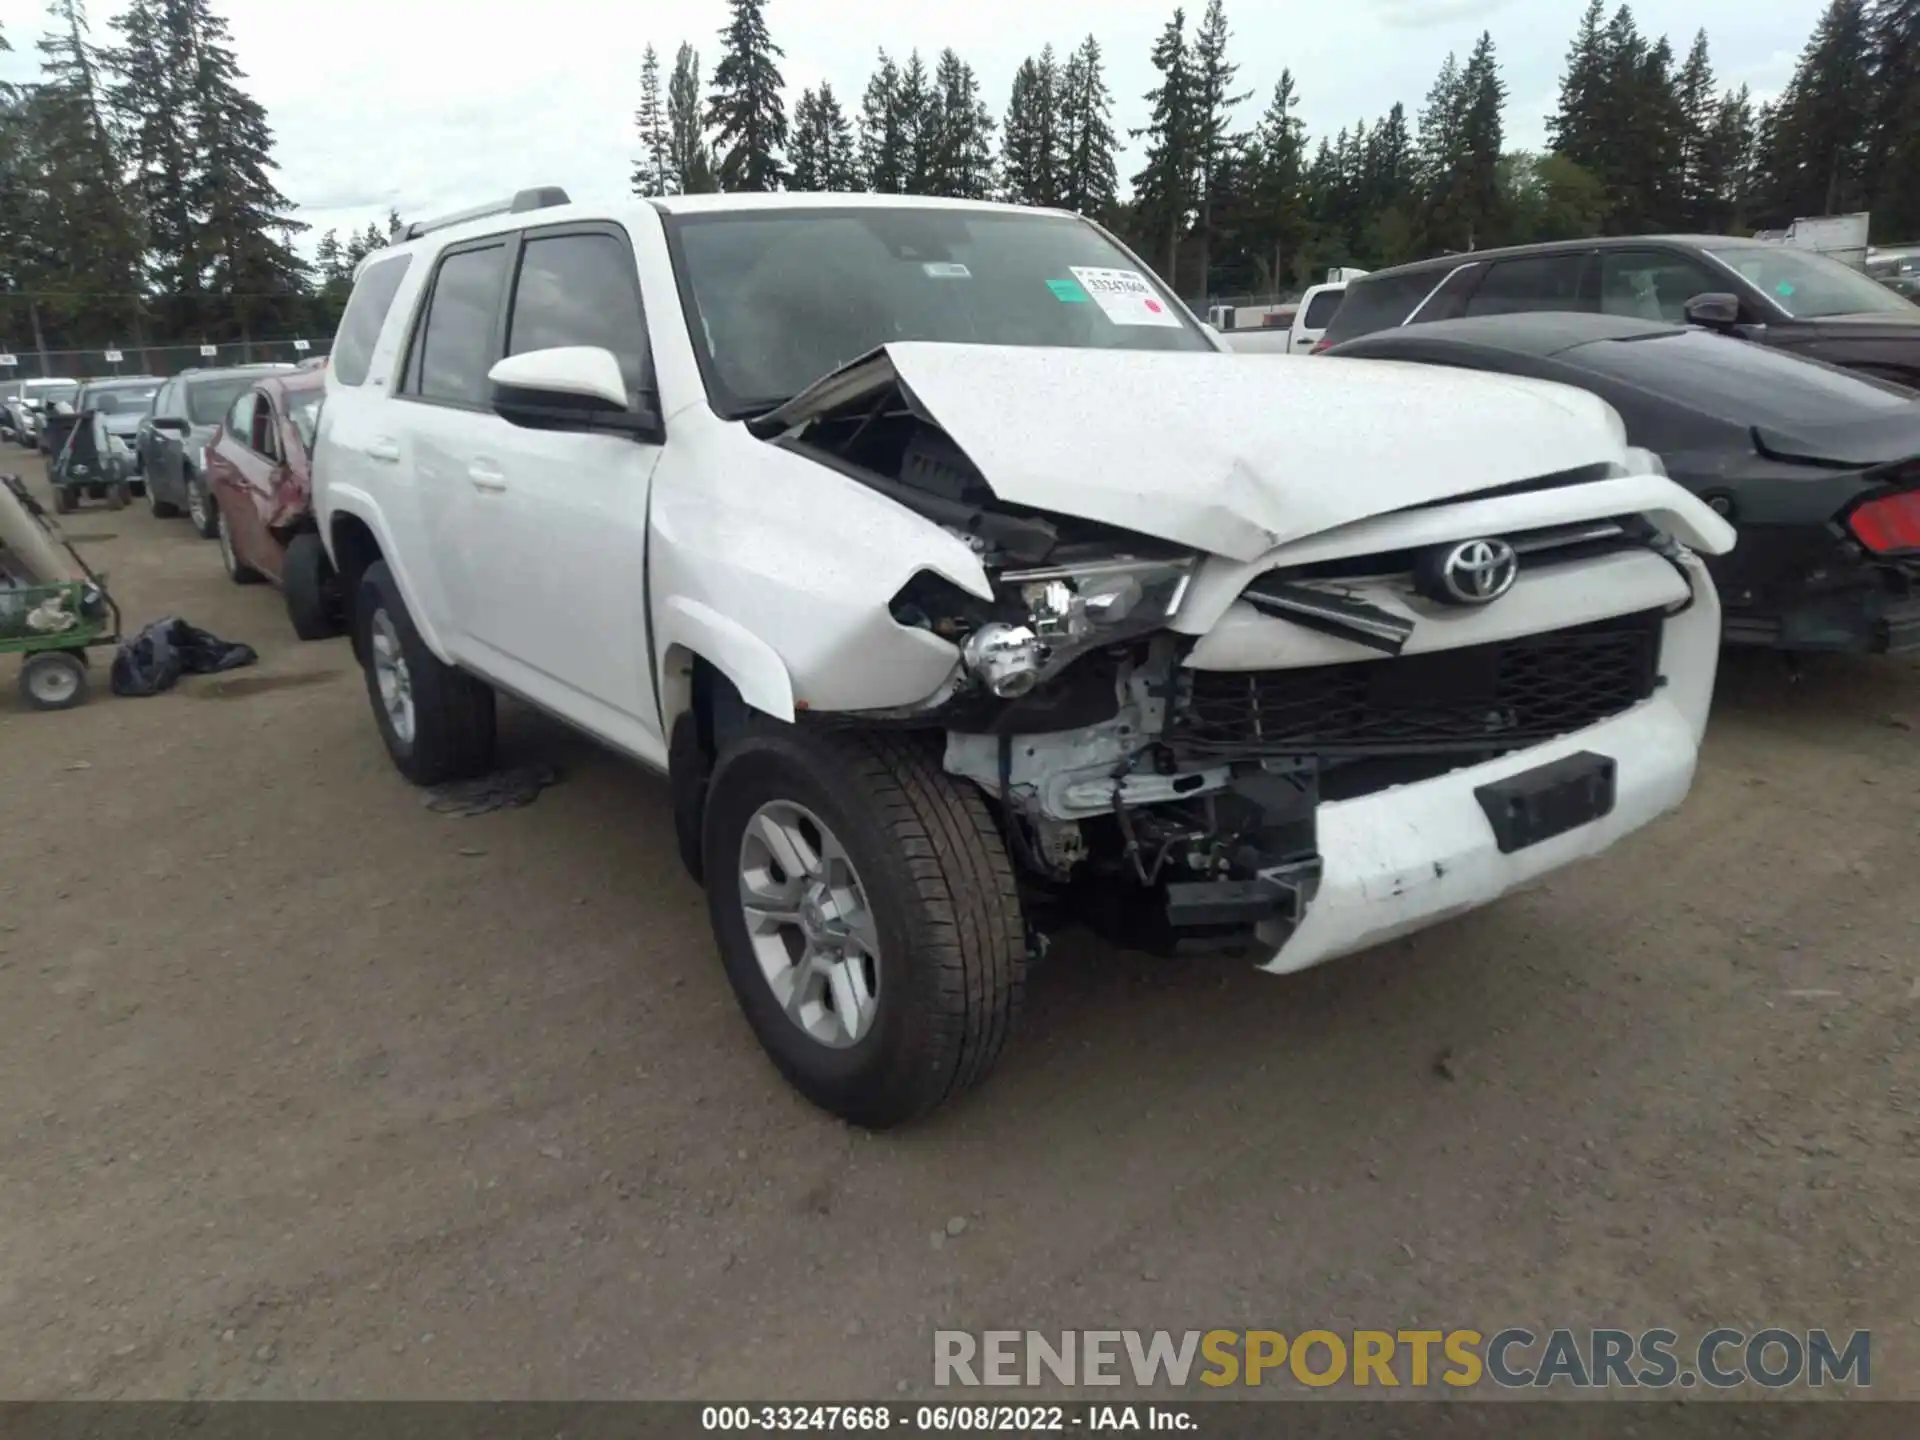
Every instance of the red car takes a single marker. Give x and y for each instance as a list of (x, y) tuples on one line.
[(258, 470)]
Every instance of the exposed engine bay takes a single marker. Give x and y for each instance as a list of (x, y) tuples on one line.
[(1111, 758)]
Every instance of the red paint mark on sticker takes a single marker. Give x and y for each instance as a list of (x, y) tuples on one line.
[(1154, 306)]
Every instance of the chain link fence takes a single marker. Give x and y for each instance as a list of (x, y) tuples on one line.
[(29, 364)]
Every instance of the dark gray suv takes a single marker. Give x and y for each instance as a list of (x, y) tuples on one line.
[(173, 441)]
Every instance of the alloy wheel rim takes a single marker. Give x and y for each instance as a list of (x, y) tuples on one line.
[(197, 503), (810, 924), (391, 676)]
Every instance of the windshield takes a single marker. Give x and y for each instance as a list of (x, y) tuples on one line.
[(54, 390), (120, 399), (209, 400), (303, 408), (776, 299), (1807, 285)]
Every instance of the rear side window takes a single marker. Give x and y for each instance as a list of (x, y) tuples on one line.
[(240, 419), (1538, 282), (1379, 302), (453, 346), (366, 312), (580, 290), (1320, 309)]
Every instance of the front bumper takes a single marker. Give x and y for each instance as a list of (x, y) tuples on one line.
[(1402, 859)]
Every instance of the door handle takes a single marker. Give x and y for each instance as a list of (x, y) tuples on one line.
[(384, 450), (485, 475)]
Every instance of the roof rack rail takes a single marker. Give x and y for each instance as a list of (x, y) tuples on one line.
[(539, 197)]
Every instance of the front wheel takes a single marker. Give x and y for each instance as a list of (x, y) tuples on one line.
[(53, 680), (867, 916), (437, 721), (201, 510)]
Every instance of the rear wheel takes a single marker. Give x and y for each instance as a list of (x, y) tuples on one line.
[(200, 507), (238, 570), (437, 721), (53, 680), (311, 590), (867, 917), (160, 509)]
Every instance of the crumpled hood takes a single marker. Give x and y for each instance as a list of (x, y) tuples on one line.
[(1228, 454)]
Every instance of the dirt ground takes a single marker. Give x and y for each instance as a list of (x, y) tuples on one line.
[(309, 1091)]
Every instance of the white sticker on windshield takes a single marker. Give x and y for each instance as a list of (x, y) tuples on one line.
[(1125, 296), (945, 270)]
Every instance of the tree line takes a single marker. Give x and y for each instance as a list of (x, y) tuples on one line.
[(138, 204), (1642, 140)]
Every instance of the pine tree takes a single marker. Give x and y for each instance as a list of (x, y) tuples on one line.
[(1279, 202), (746, 110), (1089, 183), (1656, 140), (1482, 137), (689, 153), (87, 236), (1816, 159), (1163, 190), (1387, 235), (961, 133), (883, 141), (1893, 152), (152, 110), (916, 117), (1214, 143), (1439, 150), (653, 175), (246, 225), (821, 144), (1699, 111), (1033, 149), (1576, 129), (1727, 164)]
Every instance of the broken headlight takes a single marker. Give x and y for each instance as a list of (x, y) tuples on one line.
[(1070, 609)]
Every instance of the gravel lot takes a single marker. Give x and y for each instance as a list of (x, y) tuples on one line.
[(310, 1091)]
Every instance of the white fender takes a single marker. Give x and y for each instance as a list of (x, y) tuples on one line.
[(756, 671)]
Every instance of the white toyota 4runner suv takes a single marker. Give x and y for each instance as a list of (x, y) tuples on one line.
[(963, 586)]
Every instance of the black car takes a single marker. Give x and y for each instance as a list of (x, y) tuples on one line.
[(1775, 294), (1817, 467), (174, 437)]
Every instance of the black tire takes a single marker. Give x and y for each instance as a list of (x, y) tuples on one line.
[(941, 892), (53, 680), (63, 503), (453, 713), (237, 569), (203, 511), (158, 508), (311, 590)]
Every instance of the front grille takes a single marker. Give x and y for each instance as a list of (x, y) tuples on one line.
[(1478, 698)]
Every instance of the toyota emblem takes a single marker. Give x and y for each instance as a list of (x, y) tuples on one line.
[(1474, 572)]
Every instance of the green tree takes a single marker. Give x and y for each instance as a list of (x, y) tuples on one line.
[(246, 225), (1577, 129), (883, 139), (1727, 164), (1549, 197), (1089, 182), (1032, 148), (1278, 228), (690, 155), (1215, 144), (916, 105), (1163, 190), (821, 144), (962, 132), (653, 174), (153, 111), (1893, 152), (1699, 112), (746, 110), (1815, 161)]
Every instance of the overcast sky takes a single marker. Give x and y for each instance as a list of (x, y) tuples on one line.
[(429, 106)]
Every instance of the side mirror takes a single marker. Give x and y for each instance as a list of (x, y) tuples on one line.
[(1715, 310), (172, 424), (571, 387)]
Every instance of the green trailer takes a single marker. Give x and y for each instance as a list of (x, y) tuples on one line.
[(53, 607)]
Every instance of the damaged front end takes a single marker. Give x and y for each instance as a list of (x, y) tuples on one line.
[(1170, 798)]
